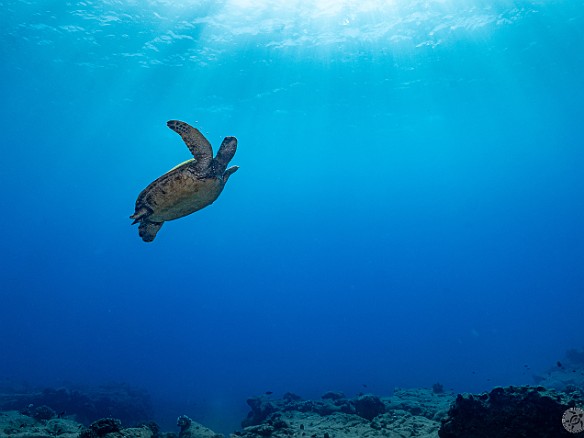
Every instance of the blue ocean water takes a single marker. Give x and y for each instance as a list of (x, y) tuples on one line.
[(408, 208)]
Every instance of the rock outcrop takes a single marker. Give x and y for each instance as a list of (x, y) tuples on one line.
[(508, 413)]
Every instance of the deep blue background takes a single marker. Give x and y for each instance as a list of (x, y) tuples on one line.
[(408, 210)]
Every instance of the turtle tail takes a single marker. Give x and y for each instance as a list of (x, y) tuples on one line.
[(140, 214)]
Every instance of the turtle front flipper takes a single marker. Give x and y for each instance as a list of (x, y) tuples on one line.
[(147, 230), (196, 142)]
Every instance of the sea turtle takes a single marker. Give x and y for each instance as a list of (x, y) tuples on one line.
[(188, 187)]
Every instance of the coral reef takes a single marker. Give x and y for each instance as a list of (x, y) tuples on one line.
[(508, 413), (421, 402), (261, 407), (13, 424), (503, 412), (112, 428), (184, 422), (39, 412), (106, 425), (16, 425), (131, 405), (368, 406), (526, 411), (192, 429), (407, 413)]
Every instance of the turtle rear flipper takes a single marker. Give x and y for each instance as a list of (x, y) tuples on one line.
[(196, 142), (148, 230)]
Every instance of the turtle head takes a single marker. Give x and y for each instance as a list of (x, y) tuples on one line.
[(224, 155)]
